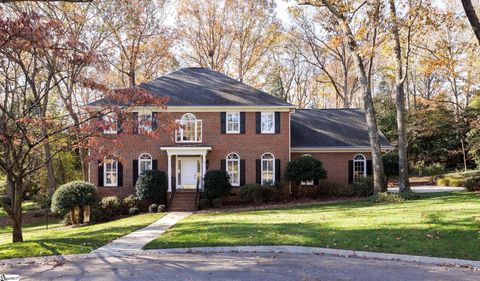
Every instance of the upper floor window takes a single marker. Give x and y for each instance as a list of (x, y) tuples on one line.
[(110, 123), (233, 122), (110, 172), (144, 163), (268, 168), (190, 130), (268, 122), (359, 167), (233, 168), (144, 122)]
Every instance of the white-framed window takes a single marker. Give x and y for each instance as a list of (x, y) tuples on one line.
[(110, 123), (268, 168), (144, 163), (145, 121), (191, 129), (233, 122), (110, 172), (233, 168), (359, 167), (268, 122)]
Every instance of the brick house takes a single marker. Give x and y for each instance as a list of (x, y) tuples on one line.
[(228, 125)]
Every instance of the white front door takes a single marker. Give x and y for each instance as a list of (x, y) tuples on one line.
[(189, 171)]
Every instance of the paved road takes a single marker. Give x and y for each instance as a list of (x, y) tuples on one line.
[(429, 189), (237, 266)]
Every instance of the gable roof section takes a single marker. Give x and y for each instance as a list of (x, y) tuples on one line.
[(205, 87), (331, 128)]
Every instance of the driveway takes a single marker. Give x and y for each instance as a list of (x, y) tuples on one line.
[(237, 266), (429, 189)]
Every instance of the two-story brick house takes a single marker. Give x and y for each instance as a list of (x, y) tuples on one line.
[(228, 125)]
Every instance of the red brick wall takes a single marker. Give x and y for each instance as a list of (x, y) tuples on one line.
[(249, 146), (335, 163)]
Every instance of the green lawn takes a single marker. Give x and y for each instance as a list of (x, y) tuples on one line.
[(59, 239), (26, 206), (443, 225)]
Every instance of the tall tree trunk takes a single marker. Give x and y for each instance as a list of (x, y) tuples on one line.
[(472, 17), (403, 182), (51, 182), (378, 172), (17, 234)]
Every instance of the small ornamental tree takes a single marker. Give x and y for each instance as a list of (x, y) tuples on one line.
[(75, 194), (152, 185), (216, 184), (305, 169)]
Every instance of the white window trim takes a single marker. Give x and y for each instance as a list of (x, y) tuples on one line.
[(108, 118), (273, 167), (238, 165), (272, 131), (144, 128), (144, 160), (308, 182), (113, 184), (364, 165), (226, 123), (198, 123)]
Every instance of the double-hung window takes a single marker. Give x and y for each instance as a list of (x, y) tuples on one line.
[(233, 168), (268, 122), (110, 172), (268, 168), (359, 167), (233, 122)]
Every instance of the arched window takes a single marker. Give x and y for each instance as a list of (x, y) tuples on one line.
[(191, 129), (359, 167), (110, 171), (233, 168), (268, 168), (144, 163)]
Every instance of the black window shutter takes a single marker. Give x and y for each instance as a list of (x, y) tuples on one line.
[(369, 168), (119, 122), (350, 171), (154, 120), (277, 170), (223, 165), (242, 172), (135, 122), (223, 122), (277, 122), (100, 173), (316, 182), (154, 164), (258, 122), (242, 122), (259, 170), (135, 171), (120, 174)]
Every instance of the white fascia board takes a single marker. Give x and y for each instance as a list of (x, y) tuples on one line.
[(337, 149), (285, 108)]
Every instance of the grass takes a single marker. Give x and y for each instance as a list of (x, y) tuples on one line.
[(26, 206), (457, 178), (442, 225), (59, 239)]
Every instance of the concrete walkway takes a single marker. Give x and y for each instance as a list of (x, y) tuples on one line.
[(429, 189), (137, 239)]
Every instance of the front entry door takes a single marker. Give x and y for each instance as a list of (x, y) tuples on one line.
[(189, 168)]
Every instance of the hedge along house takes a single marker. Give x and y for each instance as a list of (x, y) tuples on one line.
[(228, 125)]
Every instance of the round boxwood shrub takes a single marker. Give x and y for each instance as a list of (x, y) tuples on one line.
[(73, 194), (111, 206), (216, 184), (133, 211), (304, 169), (153, 208), (152, 185)]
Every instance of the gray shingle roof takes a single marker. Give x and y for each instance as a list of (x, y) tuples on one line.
[(205, 87), (330, 128)]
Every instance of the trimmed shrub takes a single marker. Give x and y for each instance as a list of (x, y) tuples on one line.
[(363, 187), (73, 194), (335, 189), (152, 185), (216, 184), (130, 201), (153, 208), (257, 194), (161, 208), (203, 204), (304, 169), (111, 206), (443, 182), (217, 202), (133, 211), (410, 195), (385, 198), (473, 184)]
